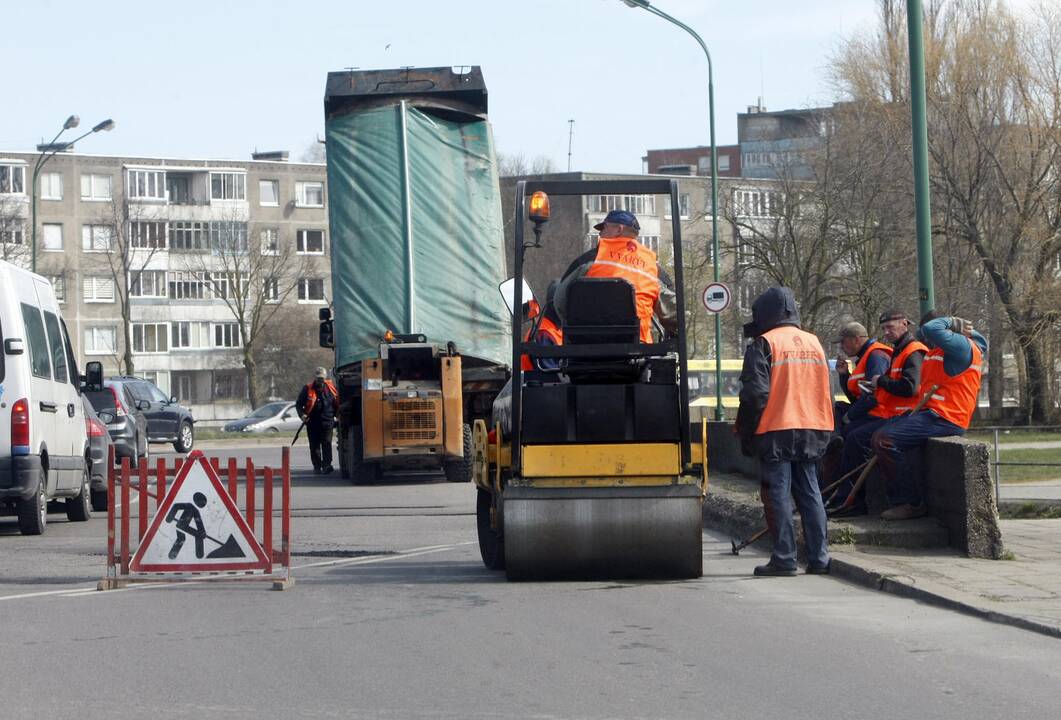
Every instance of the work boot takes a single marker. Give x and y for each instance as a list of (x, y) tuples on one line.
[(904, 512), (327, 470), (771, 570), (812, 570), (316, 469)]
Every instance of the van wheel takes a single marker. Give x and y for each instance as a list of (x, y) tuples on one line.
[(460, 470), (79, 508), (361, 472), (33, 513), (185, 438), (99, 500)]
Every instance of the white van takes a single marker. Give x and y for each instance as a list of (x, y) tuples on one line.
[(44, 450)]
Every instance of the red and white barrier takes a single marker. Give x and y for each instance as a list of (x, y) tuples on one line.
[(195, 529)]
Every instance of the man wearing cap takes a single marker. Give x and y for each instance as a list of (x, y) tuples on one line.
[(317, 404), (619, 255), (871, 360), (894, 394)]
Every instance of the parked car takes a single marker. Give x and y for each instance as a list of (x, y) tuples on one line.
[(272, 417), (44, 449), (167, 420), (99, 442), (122, 414)]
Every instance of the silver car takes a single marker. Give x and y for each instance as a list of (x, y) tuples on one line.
[(272, 417)]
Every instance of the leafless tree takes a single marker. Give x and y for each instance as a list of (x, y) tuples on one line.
[(314, 152), (285, 358), (518, 164), (14, 231)]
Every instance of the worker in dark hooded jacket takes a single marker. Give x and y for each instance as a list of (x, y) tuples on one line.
[(786, 419)]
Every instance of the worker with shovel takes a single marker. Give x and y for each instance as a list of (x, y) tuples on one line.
[(786, 418)]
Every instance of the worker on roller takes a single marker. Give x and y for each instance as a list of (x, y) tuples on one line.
[(950, 375), (618, 254), (544, 330), (317, 405), (894, 393), (786, 419)]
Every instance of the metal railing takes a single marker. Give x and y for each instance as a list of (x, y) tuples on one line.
[(996, 464)]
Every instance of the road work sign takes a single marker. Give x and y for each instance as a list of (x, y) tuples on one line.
[(198, 528), (716, 297)]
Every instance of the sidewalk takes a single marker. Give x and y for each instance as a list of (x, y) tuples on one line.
[(1031, 491), (1024, 592)]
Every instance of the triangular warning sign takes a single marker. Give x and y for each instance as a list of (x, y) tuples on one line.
[(198, 528)]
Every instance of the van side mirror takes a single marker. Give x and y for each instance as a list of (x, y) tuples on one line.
[(324, 313), (94, 376), (326, 336)]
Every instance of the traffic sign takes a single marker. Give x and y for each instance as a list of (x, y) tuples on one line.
[(198, 528), (716, 297)]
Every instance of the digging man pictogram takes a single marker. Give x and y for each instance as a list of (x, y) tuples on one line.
[(190, 522)]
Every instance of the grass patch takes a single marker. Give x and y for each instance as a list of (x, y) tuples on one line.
[(842, 536), (1013, 436), (1008, 555), (1028, 473), (1029, 511)]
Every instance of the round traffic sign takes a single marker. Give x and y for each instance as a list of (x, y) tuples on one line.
[(716, 297)]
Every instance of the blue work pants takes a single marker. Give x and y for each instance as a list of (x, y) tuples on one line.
[(899, 445), (856, 451), (782, 481)]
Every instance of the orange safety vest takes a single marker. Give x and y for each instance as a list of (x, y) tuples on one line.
[(630, 260), (555, 334), (889, 405), (860, 367), (955, 398), (311, 396), (799, 383)]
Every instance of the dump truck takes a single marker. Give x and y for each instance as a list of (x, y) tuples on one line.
[(420, 334), (590, 467)]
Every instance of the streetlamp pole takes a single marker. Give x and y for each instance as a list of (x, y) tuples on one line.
[(646, 5), (47, 152), (919, 127)]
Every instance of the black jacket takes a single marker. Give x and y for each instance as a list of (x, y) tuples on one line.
[(774, 308), (323, 413), (907, 384)]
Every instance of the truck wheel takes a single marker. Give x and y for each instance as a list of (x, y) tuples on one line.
[(346, 453), (461, 470), (79, 507), (99, 500), (185, 438), (33, 513), (361, 472), (491, 542)]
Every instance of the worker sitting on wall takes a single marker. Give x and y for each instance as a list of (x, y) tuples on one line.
[(618, 254)]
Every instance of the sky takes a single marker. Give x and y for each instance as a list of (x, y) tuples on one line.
[(213, 79)]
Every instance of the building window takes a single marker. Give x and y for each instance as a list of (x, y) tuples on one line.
[(227, 285), (97, 289), (309, 194), (11, 232), (650, 241), (270, 238), (59, 286), (190, 335), (228, 186), (150, 337), (310, 242), (188, 235), (745, 297), (230, 385), (51, 186), (96, 238), (100, 341), (52, 237), (683, 207), (95, 187), (756, 203), (12, 179), (226, 335), (148, 284), (188, 286), (637, 204), (271, 290), (723, 162), (311, 290), (147, 184), (185, 383), (228, 236), (149, 235), (269, 193)]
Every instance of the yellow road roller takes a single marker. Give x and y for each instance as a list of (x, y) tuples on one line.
[(589, 467)]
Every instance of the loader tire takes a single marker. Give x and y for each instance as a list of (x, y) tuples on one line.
[(460, 470), (361, 472)]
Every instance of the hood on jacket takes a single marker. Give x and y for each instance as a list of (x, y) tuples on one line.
[(775, 307)]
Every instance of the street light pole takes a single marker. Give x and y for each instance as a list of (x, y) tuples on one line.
[(47, 152), (646, 5), (919, 128)]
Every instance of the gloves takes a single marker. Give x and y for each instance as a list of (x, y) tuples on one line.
[(961, 326)]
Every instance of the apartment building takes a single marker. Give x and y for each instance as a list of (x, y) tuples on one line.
[(182, 240)]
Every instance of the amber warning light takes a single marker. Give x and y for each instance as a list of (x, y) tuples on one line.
[(539, 207)]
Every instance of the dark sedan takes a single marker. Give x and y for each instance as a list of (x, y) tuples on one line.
[(125, 420), (99, 443)]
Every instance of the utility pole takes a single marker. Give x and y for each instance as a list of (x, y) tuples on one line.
[(570, 134), (919, 127)]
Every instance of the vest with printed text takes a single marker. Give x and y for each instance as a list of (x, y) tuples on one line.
[(630, 260), (799, 383)]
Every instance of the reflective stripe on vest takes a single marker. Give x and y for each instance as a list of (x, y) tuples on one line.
[(955, 398), (630, 260), (860, 367), (889, 405), (311, 395), (799, 383)]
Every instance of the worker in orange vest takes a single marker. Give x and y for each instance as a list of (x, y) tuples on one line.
[(871, 360), (954, 367), (786, 418), (894, 393), (545, 329), (317, 405), (618, 254)]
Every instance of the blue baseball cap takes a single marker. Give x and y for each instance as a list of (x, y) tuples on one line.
[(620, 217)]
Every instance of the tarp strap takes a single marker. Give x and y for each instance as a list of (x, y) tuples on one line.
[(407, 204)]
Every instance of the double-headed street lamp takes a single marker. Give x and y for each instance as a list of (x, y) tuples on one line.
[(646, 5), (47, 152)]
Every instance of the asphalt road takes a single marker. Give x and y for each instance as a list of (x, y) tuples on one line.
[(394, 616)]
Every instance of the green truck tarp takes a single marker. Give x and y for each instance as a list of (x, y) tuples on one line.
[(417, 235)]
